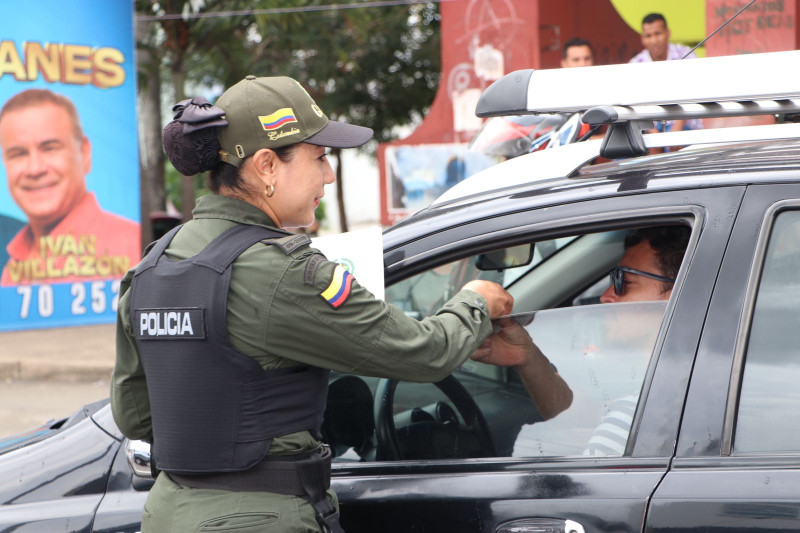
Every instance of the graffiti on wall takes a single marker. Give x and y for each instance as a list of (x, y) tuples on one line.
[(766, 26)]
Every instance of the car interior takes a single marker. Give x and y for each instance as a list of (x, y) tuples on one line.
[(484, 410)]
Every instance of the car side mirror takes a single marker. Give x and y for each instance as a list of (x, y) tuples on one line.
[(514, 256)]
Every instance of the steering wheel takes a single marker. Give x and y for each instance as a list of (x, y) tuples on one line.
[(444, 437)]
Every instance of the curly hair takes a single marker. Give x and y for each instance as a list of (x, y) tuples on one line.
[(198, 151), (669, 243)]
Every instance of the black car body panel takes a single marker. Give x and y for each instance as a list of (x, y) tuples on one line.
[(59, 482)]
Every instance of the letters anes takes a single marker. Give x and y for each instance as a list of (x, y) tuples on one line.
[(66, 63)]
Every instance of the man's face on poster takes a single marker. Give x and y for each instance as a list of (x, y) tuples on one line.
[(45, 163)]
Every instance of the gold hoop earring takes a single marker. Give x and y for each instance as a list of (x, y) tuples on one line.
[(269, 191)]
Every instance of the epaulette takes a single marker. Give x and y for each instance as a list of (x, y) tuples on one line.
[(289, 243)]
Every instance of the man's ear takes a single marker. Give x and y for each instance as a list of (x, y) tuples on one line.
[(86, 155)]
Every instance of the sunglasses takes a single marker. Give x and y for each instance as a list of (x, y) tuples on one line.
[(617, 275)]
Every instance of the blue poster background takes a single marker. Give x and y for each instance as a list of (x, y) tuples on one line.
[(108, 118)]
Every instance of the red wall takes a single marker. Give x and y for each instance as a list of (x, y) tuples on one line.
[(594, 20), (509, 26), (766, 26)]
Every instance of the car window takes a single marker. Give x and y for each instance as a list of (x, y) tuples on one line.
[(768, 418), (601, 350), (422, 295)]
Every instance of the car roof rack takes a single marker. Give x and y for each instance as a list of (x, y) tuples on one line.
[(568, 159), (629, 97)]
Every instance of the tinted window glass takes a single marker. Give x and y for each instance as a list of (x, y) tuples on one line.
[(768, 418), (602, 352)]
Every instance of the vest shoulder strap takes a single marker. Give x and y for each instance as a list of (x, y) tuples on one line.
[(224, 250), (156, 248)]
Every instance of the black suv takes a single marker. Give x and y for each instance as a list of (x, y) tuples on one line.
[(710, 441)]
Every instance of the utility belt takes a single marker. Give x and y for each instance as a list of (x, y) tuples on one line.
[(307, 475)]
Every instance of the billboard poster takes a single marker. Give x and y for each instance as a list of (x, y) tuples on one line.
[(418, 174), (69, 178)]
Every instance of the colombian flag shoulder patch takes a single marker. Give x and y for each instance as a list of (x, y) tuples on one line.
[(339, 289)]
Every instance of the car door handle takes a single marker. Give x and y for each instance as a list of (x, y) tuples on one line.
[(540, 525), (138, 455)]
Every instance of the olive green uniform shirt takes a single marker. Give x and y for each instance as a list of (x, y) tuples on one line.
[(277, 316)]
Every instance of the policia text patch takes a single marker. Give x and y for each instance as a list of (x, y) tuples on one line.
[(170, 323)]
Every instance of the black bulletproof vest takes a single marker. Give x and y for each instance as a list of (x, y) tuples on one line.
[(214, 409)]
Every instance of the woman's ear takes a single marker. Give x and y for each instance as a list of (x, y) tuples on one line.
[(265, 164)]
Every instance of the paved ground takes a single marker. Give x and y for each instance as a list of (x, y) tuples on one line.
[(48, 374)]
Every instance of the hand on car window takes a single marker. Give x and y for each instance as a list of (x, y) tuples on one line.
[(511, 346), (499, 300)]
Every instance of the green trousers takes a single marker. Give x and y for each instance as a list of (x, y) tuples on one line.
[(174, 508)]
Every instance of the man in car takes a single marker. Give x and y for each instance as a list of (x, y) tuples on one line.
[(649, 266), (646, 272)]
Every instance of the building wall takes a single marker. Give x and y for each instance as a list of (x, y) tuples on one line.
[(596, 21), (766, 26), (481, 41)]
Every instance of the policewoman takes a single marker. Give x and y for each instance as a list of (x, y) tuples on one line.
[(228, 328)]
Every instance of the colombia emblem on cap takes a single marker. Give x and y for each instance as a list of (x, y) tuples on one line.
[(279, 118), (339, 289)]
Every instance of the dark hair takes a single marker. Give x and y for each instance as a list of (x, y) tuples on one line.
[(575, 41), (198, 151), (37, 97), (669, 243), (652, 17)]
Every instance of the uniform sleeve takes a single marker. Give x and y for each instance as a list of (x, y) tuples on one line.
[(130, 403), (320, 315)]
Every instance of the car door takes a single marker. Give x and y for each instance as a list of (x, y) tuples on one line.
[(568, 491), (737, 463)]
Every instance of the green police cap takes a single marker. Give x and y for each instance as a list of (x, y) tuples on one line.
[(274, 112)]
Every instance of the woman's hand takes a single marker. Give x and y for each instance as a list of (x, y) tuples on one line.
[(499, 300)]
